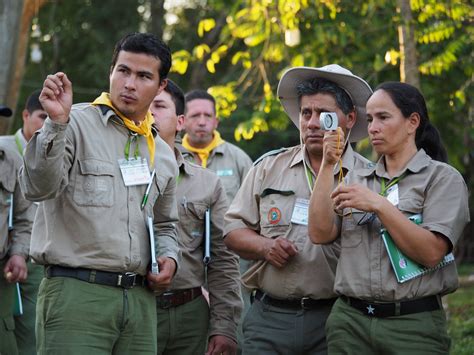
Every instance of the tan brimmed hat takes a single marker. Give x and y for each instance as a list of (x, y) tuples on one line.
[(357, 88)]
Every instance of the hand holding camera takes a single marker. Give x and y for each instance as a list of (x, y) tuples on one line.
[(328, 121), (333, 143)]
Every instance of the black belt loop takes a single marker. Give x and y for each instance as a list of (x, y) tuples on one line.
[(124, 280)]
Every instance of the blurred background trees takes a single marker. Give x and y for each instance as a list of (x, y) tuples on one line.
[(239, 49)]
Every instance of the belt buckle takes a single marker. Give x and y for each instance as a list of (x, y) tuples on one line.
[(127, 280), (303, 301), (166, 299)]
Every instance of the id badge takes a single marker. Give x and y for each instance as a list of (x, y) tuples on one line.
[(392, 194), (134, 171), (300, 212)]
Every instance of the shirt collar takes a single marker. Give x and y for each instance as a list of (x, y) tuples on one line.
[(183, 165), (417, 163), (347, 160)]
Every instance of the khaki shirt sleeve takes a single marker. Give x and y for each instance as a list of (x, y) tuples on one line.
[(245, 163), (244, 211), (223, 274), (47, 161), (23, 215), (446, 206), (165, 213)]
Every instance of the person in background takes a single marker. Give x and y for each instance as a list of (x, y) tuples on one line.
[(292, 280), (376, 313), (16, 219), (203, 144), (186, 323), (106, 182), (33, 119)]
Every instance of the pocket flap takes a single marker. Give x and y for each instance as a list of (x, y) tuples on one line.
[(96, 167)]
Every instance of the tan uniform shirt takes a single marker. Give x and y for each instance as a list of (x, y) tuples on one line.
[(198, 190), (17, 241), (265, 203), (433, 189), (230, 163), (89, 218)]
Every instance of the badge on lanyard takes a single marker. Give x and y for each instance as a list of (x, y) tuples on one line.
[(135, 171), (300, 212), (392, 194)]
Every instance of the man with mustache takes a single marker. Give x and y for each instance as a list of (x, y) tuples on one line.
[(107, 182), (291, 279)]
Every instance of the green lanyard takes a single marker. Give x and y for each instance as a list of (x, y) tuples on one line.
[(18, 143), (132, 137), (384, 188), (309, 177)]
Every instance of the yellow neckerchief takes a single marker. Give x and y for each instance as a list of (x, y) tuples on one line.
[(204, 152), (144, 129)]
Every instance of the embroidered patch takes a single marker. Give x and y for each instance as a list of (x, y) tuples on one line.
[(274, 215)]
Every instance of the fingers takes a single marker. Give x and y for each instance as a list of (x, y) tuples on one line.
[(280, 252), (54, 85), (333, 142)]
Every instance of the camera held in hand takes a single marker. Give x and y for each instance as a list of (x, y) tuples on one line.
[(328, 121)]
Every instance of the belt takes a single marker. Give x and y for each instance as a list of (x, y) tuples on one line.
[(177, 298), (125, 280), (301, 303), (382, 310)]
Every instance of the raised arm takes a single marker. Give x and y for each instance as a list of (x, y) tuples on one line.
[(321, 216)]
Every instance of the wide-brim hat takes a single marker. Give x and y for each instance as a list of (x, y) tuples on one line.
[(357, 88), (5, 111)]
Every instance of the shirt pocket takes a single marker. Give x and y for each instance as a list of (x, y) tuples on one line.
[(411, 205), (275, 213), (191, 216), (94, 183), (351, 232)]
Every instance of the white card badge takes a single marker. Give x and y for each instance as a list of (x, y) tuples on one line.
[(300, 212), (392, 194), (134, 171)]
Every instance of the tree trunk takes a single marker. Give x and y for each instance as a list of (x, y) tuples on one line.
[(15, 24), (157, 22), (406, 38)]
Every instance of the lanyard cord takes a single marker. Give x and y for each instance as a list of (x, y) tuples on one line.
[(132, 137), (384, 188)]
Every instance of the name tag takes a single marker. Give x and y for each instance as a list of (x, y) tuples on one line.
[(225, 172), (134, 171), (392, 194), (300, 212)]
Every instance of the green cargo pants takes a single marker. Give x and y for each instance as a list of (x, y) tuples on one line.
[(7, 324), (76, 317), (351, 332), (183, 329), (25, 324)]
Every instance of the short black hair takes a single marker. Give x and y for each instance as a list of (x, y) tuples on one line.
[(33, 103), (146, 43), (318, 85), (177, 96), (200, 94)]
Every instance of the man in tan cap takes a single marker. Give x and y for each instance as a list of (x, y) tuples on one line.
[(16, 219), (292, 279)]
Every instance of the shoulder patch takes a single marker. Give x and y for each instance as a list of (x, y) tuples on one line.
[(268, 154)]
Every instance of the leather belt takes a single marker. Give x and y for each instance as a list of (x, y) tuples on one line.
[(175, 298), (125, 280), (383, 310), (301, 303)]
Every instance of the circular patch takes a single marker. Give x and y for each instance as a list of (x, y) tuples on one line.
[(274, 215)]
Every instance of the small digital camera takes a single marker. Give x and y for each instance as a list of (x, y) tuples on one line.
[(328, 121)]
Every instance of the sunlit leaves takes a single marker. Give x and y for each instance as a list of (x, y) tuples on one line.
[(215, 58), (201, 50), (180, 61), (437, 33), (205, 25), (243, 57), (247, 130), (226, 99)]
